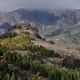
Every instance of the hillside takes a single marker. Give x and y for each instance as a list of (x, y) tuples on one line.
[(25, 55), (60, 25), (19, 36)]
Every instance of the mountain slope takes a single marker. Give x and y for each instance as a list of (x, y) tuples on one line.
[(62, 25), (40, 17)]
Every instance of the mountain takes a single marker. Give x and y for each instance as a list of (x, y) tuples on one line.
[(24, 56), (39, 17), (59, 25)]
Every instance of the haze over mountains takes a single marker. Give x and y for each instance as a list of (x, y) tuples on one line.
[(60, 25)]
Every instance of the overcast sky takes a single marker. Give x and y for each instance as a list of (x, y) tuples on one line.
[(6, 5)]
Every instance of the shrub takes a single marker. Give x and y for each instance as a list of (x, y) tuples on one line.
[(51, 42)]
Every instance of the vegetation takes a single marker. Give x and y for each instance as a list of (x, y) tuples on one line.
[(9, 76), (18, 42), (6, 74), (35, 77), (41, 51), (52, 73), (51, 42), (71, 63), (8, 35), (40, 37)]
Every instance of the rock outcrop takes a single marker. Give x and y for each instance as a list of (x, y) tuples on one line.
[(24, 28)]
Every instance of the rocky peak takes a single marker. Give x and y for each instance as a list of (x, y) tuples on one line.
[(24, 28)]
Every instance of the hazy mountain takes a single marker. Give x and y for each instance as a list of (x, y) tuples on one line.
[(60, 25), (39, 17)]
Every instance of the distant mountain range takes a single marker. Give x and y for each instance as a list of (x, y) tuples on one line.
[(59, 25)]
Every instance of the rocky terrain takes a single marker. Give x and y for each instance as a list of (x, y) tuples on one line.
[(19, 31)]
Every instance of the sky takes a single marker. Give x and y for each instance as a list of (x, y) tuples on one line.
[(8, 5)]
